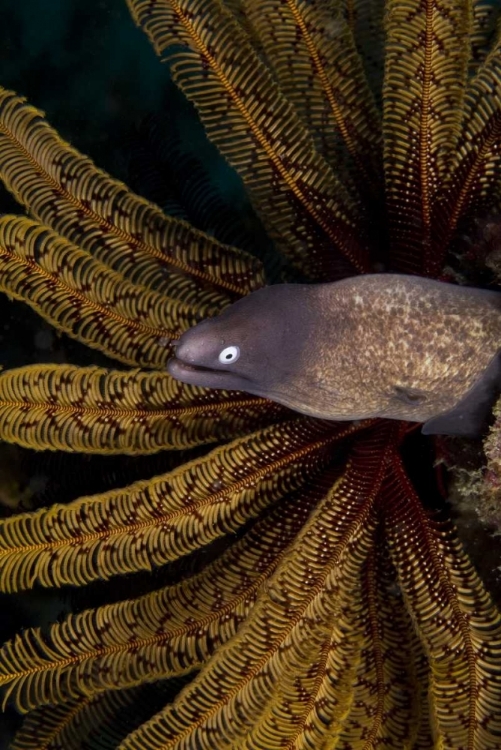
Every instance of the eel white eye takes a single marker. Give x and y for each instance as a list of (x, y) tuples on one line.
[(229, 355)]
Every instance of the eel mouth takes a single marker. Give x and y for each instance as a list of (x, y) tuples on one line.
[(178, 367), (201, 376), (205, 377)]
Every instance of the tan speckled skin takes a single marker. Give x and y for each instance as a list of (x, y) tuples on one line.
[(382, 345), (400, 331)]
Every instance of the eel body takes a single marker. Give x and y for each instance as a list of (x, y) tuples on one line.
[(381, 345)]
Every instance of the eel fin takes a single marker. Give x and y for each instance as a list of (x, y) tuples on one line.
[(469, 416)]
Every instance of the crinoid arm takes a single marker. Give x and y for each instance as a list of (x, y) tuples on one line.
[(302, 202), (153, 521), (66, 192), (425, 74), (95, 410)]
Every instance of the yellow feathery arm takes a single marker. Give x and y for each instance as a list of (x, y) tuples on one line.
[(85, 721), (66, 726), (354, 686), (64, 190), (314, 672), (475, 180), (425, 74), (154, 521), (322, 654), (377, 693), (323, 688), (390, 700), (169, 632), (314, 677), (94, 410), (239, 693), (313, 54), (455, 618), (83, 298), (228, 698), (305, 207)]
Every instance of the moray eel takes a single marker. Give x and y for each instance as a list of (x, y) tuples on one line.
[(381, 345)]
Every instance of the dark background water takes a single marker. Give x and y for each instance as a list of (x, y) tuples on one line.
[(86, 65)]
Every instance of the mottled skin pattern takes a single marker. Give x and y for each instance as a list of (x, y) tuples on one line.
[(381, 345)]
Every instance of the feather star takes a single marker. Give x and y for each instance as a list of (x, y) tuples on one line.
[(335, 608)]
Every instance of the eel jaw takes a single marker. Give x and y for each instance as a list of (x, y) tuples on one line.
[(205, 377)]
